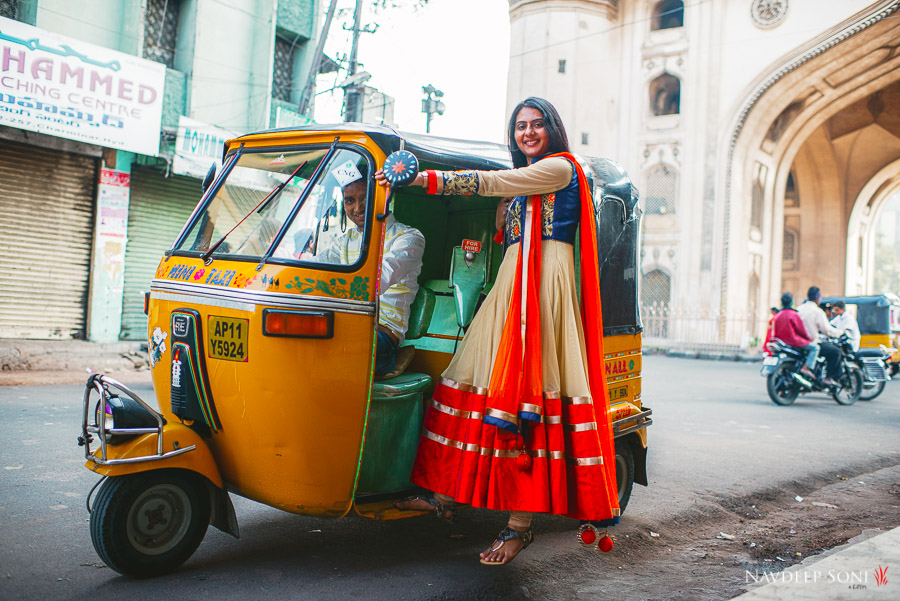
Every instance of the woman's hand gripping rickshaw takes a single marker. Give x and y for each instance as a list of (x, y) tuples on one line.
[(263, 323)]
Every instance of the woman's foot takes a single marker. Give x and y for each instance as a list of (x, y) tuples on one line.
[(445, 511), (508, 544)]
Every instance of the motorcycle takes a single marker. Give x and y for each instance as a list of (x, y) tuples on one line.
[(874, 364), (785, 383)]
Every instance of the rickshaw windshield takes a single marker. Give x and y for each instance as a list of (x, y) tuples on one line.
[(264, 190)]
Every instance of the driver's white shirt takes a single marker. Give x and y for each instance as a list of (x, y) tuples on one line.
[(848, 323), (401, 263)]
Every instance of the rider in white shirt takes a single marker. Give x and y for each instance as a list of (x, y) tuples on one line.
[(845, 322)]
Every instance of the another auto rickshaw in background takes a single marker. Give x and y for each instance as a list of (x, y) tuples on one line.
[(262, 352), (878, 317)]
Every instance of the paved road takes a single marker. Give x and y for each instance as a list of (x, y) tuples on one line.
[(716, 438)]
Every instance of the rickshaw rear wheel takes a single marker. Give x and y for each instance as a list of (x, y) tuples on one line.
[(780, 384), (624, 472), (149, 523)]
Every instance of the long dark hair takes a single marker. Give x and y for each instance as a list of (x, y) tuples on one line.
[(556, 133)]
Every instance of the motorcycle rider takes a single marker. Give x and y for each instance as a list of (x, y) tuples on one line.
[(789, 328), (814, 319), (846, 323)]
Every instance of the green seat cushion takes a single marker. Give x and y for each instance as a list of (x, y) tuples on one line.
[(401, 387), (420, 313)]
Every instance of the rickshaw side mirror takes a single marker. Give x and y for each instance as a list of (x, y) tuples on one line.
[(210, 177)]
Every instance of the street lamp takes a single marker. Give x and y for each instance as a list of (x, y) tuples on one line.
[(431, 104)]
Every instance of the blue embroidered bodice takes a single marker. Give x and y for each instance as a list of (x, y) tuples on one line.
[(560, 214)]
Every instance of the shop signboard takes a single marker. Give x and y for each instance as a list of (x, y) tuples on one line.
[(64, 87), (199, 145)]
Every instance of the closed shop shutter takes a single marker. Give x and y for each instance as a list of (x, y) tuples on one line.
[(158, 209), (46, 225)]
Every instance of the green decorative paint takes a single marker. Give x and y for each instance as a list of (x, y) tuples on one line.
[(336, 287), (631, 365)]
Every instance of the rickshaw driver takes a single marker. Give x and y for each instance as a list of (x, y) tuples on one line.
[(401, 264)]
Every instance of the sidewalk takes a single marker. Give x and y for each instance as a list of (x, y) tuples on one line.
[(846, 573), (26, 362)]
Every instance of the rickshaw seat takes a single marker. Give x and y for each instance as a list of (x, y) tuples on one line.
[(420, 314), (395, 415)]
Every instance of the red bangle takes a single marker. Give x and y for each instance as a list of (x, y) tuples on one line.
[(432, 182)]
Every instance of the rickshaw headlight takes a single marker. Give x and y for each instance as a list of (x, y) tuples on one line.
[(298, 324)]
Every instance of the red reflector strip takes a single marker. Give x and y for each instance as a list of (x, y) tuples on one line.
[(300, 324)]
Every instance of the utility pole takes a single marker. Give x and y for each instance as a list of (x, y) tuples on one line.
[(306, 95), (352, 92), (431, 105)]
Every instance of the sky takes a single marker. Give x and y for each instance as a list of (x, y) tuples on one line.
[(461, 47)]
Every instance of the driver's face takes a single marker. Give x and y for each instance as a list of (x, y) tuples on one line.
[(355, 202), (837, 310)]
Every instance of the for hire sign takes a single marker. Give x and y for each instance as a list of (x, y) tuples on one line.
[(71, 89)]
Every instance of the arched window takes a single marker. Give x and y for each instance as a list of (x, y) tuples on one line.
[(662, 191), (789, 249), (791, 194), (756, 206), (655, 298), (665, 95), (667, 14)]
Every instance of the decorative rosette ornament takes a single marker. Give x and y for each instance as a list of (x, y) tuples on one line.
[(400, 168), (589, 536)]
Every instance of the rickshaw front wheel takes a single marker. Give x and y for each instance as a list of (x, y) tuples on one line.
[(149, 523)]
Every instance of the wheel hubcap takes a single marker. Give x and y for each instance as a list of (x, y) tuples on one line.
[(159, 519)]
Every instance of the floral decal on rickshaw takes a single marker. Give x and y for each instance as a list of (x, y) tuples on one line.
[(336, 287), (156, 346)]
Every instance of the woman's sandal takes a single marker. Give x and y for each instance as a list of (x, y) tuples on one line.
[(446, 512), (508, 534)]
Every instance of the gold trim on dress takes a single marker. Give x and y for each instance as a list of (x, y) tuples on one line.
[(529, 408), (552, 395), (510, 453), (455, 412), (552, 419), (507, 417), (450, 442), (582, 427), (585, 460), (464, 387), (578, 400)]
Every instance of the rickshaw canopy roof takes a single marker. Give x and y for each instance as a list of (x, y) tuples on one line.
[(878, 300), (439, 152)]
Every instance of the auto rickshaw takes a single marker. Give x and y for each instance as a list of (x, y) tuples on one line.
[(262, 352)]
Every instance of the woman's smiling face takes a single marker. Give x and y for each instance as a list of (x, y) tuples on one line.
[(531, 135)]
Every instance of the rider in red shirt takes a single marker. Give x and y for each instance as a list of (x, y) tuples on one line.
[(788, 327)]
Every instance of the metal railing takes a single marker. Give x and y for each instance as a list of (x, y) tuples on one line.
[(700, 331)]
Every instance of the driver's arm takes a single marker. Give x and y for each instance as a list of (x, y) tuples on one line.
[(402, 258)]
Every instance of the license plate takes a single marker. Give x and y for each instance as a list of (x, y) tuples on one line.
[(229, 338), (770, 361)]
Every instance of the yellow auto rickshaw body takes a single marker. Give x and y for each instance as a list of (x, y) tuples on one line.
[(264, 351)]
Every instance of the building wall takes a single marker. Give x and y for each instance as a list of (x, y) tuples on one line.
[(721, 57)]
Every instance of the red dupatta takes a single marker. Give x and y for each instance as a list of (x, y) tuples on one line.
[(515, 393)]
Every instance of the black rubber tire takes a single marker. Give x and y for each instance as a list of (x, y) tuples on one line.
[(624, 472), (851, 381), (868, 394), (782, 388), (121, 528)]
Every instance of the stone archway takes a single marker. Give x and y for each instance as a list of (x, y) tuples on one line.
[(817, 119)]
